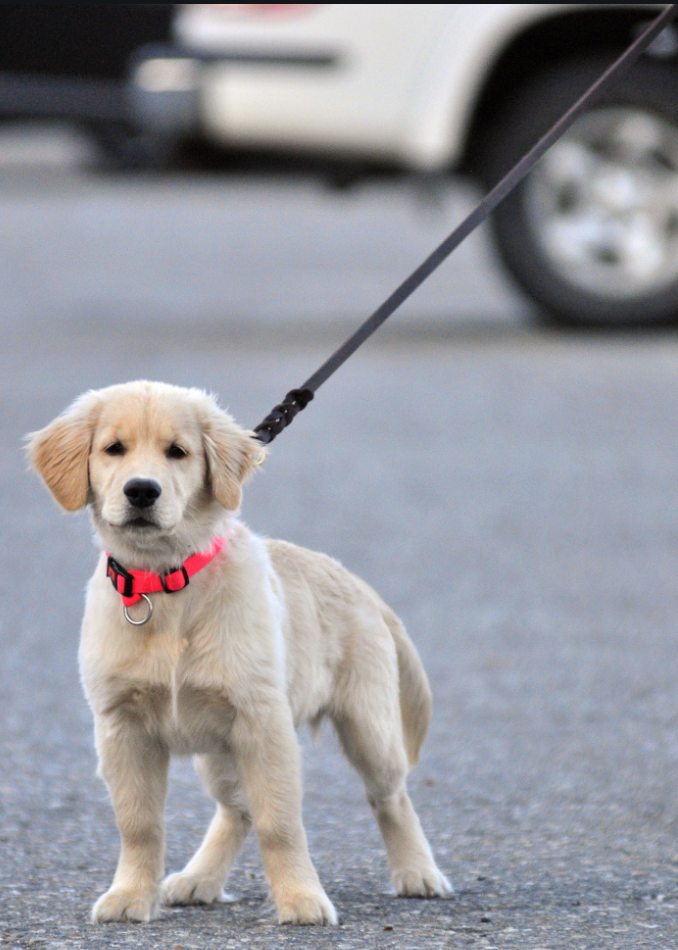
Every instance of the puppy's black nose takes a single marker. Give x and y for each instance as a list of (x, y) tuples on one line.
[(142, 492)]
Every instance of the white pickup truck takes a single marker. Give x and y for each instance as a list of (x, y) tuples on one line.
[(592, 235)]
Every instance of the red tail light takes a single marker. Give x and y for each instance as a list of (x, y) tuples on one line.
[(262, 9)]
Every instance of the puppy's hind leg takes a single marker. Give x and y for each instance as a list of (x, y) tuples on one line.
[(202, 880), (370, 728)]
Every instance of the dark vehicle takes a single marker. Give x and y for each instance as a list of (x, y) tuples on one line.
[(72, 61)]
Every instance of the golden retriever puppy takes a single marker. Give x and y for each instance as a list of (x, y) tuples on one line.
[(201, 639)]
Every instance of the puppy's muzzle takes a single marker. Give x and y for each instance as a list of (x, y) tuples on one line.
[(142, 492)]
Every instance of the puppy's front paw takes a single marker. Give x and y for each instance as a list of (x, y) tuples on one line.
[(120, 904), (425, 882), (307, 907), (182, 889)]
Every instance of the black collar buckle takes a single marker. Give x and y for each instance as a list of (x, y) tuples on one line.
[(114, 571)]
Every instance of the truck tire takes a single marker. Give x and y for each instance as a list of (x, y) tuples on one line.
[(592, 233)]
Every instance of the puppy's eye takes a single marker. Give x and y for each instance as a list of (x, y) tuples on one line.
[(176, 452), (115, 448)]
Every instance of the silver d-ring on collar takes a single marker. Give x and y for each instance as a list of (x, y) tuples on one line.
[(140, 623)]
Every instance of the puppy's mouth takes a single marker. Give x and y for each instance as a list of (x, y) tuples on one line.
[(140, 523)]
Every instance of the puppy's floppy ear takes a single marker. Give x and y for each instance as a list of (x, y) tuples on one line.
[(231, 454), (60, 452)]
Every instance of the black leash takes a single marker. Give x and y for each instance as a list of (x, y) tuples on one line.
[(297, 399)]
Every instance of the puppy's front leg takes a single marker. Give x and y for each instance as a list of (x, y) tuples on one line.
[(135, 768), (269, 764)]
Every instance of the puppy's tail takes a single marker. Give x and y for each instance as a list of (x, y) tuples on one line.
[(416, 701)]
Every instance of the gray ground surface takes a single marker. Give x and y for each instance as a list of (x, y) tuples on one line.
[(513, 495)]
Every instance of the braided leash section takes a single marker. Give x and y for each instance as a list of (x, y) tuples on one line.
[(283, 414)]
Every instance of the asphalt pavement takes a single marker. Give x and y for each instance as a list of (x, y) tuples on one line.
[(512, 493)]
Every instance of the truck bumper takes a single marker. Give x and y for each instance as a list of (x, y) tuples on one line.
[(166, 81)]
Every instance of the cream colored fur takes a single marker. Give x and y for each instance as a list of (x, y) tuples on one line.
[(266, 637)]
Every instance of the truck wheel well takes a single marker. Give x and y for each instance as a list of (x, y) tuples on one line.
[(540, 47)]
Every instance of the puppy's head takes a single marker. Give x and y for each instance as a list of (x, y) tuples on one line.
[(154, 462)]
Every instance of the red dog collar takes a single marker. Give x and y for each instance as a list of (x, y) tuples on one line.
[(132, 585)]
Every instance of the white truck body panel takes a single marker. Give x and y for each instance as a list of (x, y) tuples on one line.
[(404, 88)]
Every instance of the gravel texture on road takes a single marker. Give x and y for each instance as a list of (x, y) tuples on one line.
[(262, 257), (515, 501)]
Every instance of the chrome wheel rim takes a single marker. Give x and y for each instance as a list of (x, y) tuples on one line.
[(603, 204)]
